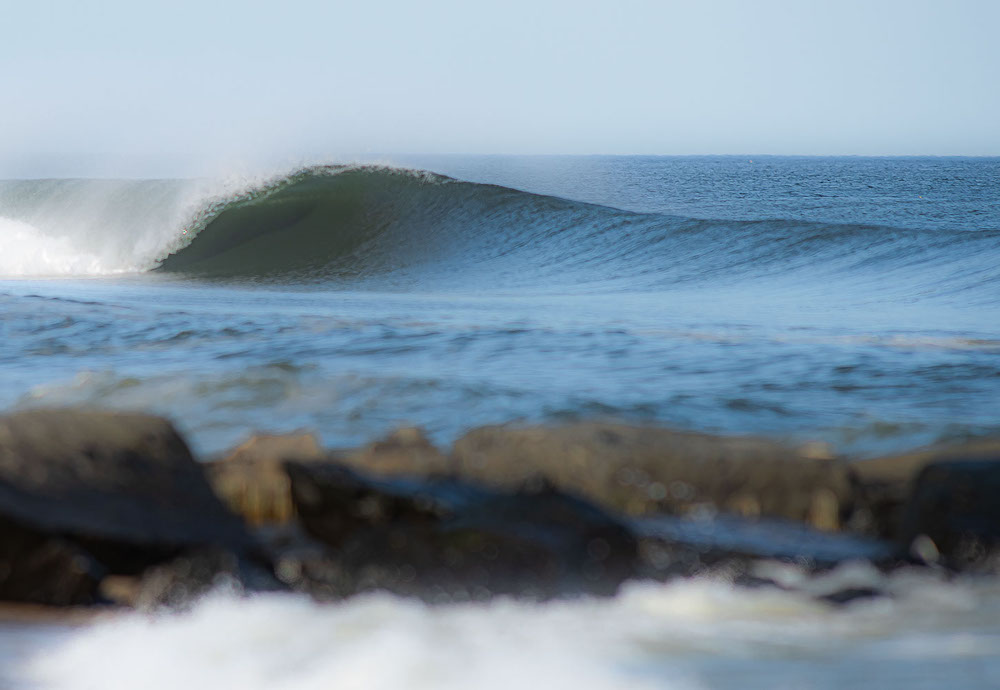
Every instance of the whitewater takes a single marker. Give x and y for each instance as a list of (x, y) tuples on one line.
[(686, 635), (848, 302)]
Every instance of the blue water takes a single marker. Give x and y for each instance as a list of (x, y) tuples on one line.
[(850, 300)]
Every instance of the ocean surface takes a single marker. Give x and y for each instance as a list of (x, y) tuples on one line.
[(854, 301)]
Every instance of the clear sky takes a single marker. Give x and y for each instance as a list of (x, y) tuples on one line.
[(204, 80)]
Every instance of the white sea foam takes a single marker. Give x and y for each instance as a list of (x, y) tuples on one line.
[(688, 634), (26, 251)]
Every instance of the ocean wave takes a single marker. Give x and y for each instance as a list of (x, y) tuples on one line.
[(406, 228), (396, 228)]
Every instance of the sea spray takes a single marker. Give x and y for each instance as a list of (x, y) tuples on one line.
[(26, 251)]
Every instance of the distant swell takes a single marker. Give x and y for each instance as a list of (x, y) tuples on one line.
[(383, 228)]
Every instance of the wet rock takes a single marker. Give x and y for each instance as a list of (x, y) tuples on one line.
[(119, 490), (24, 613), (644, 470), (882, 486), (294, 553), (406, 451), (851, 595), (252, 480), (673, 546), (955, 505), (37, 568), (446, 540)]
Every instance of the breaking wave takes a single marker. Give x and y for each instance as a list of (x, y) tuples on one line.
[(395, 228)]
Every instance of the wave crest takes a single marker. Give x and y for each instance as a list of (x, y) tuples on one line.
[(388, 228)]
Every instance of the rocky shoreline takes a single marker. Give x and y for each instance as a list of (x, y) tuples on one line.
[(106, 509)]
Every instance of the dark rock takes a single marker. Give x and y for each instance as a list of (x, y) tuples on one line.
[(38, 568), (852, 594), (644, 470), (955, 504), (443, 539), (883, 485), (126, 477), (121, 488), (673, 546)]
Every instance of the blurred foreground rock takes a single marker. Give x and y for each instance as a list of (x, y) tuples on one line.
[(40, 568), (939, 502), (404, 452), (646, 470), (85, 493), (884, 485), (444, 539), (956, 505), (102, 506), (252, 480)]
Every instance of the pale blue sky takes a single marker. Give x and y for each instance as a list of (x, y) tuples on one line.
[(204, 80)]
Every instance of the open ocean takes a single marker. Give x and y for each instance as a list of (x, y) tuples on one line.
[(853, 301)]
